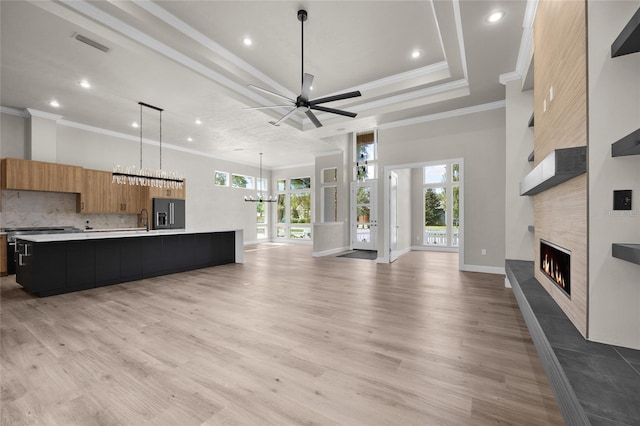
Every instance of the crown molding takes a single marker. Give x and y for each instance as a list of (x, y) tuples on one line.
[(292, 166), (13, 111), (510, 76), (42, 114), (443, 115)]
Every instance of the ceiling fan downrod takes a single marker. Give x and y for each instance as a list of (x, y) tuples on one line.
[(302, 16)]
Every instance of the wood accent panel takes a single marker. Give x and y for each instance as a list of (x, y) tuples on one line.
[(560, 213), (3, 255), (30, 175), (416, 342), (561, 62), (561, 218)]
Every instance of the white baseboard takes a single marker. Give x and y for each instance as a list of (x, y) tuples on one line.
[(329, 252), (507, 283), (499, 270), (429, 248)]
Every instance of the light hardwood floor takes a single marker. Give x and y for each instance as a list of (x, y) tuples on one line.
[(282, 339)]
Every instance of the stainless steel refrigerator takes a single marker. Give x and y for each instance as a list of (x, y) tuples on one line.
[(168, 213)]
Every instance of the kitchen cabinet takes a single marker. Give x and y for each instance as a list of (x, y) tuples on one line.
[(100, 195), (3, 255), (30, 175)]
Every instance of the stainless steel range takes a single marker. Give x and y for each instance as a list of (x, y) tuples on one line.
[(13, 233)]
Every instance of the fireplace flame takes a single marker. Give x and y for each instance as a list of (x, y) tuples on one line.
[(553, 271)]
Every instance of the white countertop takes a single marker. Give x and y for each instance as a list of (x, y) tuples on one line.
[(79, 236)]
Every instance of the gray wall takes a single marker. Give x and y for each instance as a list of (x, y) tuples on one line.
[(519, 242), (614, 111), (480, 140), (405, 196)]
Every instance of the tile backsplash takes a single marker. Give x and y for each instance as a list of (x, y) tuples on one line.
[(37, 209)]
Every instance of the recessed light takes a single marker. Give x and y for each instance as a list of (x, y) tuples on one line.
[(495, 16), (135, 124), (416, 54), (198, 121), (311, 88), (189, 140), (247, 41), (85, 84), (54, 103)]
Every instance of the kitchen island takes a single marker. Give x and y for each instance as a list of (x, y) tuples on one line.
[(61, 263)]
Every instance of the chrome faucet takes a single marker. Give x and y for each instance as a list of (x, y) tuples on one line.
[(146, 218)]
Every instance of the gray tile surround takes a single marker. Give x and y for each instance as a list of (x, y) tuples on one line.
[(604, 378)]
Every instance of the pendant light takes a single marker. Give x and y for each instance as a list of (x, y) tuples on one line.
[(147, 177), (260, 198)]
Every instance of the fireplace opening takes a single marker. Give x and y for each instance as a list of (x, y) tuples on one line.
[(555, 262)]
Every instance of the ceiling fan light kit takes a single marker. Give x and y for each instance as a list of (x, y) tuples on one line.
[(302, 103)]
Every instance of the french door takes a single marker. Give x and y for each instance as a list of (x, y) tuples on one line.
[(364, 215)]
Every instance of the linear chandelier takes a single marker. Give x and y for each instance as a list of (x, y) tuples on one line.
[(131, 175), (260, 198)]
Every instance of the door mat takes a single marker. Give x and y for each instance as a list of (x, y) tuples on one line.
[(361, 254)]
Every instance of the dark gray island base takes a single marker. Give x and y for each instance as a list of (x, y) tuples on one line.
[(47, 265)]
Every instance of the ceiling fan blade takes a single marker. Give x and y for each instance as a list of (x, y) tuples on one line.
[(313, 118), (268, 107), (307, 81), (284, 117), (336, 97), (333, 110), (269, 92)]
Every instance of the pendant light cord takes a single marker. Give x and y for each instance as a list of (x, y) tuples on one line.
[(160, 139), (302, 55), (140, 136)]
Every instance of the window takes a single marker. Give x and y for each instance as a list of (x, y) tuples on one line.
[(241, 181), (221, 178), (441, 204), (330, 175), (261, 220), (293, 214), (261, 184), (365, 156)]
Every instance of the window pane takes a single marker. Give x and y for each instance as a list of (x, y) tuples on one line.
[(330, 175), (281, 232), (282, 185), (364, 172), (300, 208), (365, 147), (330, 197), (300, 183), (261, 184), (435, 174), (456, 215), (364, 196), (300, 233), (281, 208), (435, 219), (241, 181), (363, 214), (455, 173), (260, 212), (363, 233), (261, 232), (222, 178)]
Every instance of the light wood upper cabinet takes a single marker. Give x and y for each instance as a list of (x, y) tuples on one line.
[(30, 175), (100, 195)]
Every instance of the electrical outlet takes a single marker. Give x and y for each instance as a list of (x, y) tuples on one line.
[(484, 252)]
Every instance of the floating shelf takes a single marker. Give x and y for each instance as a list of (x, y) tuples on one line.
[(531, 121), (629, 145), (628, 252), (531, 156), (557, 167), (629, 39)]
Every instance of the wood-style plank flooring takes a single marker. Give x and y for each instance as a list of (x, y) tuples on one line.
[(281, 339)]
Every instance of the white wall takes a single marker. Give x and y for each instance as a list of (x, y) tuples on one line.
[(519, 241), (12, 136), (405, 195), (480, 140), (614, 111)]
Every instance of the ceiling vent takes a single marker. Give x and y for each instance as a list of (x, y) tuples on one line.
[(90, 42)]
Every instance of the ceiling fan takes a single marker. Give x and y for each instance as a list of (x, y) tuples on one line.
[(302, 102)]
